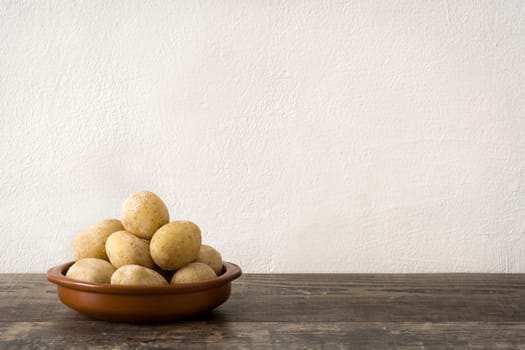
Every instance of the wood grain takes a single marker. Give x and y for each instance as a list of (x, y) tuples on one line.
[(325, 311)]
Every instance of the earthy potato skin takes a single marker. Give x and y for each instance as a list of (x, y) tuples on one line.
[(175, 244), (91, 242), (124, 248), (143, 213), (211, 257), (137, 275), (193, 272), (91, 270)]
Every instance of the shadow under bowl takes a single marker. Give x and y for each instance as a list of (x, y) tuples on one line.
[(143, 304)]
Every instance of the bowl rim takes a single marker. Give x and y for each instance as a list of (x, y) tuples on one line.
[(57, 276)]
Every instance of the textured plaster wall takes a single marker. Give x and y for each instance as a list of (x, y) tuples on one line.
[(321, 136)]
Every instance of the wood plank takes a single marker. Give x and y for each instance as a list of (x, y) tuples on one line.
[(319, 297), (253, 335), (315, 311)]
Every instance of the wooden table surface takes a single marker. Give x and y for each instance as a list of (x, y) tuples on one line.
[(288, 311)]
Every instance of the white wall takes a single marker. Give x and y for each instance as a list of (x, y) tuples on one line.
[(323, 136)]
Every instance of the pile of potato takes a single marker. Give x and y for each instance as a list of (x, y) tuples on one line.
[(143, 248)]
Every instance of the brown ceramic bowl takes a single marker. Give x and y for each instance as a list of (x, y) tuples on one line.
[(139, 304)]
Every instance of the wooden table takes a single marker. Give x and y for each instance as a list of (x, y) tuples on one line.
[(324, 311)]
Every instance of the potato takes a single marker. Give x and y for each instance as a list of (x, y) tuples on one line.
[(175, 244), (194, 272), (91, 270), (211, 257), (91, 242), (137, 275), (124, 248), (143, 213)]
